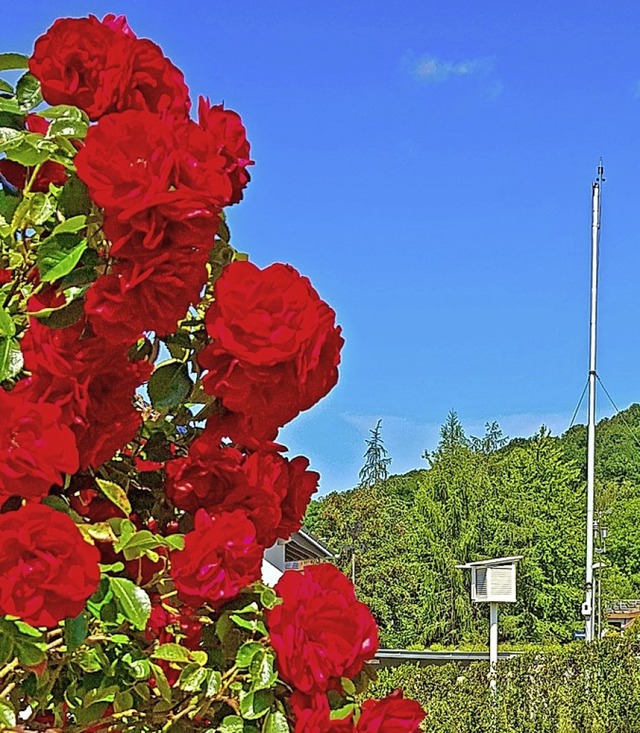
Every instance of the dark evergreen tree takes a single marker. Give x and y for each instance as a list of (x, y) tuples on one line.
[(376, 460)]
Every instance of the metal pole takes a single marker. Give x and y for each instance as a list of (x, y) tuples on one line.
[(493, 644), (587, 607)]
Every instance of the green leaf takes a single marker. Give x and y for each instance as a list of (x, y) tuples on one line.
[(192, 678), (6, 648), (116, 494), (9, 137), (214, 683), (348, 686), (74, 199), (75, 631), (171, 653), (5, 86), (62, 317), (161, 682), (7, 326), (276, 722), (67, 127), (30, 655), (132, 601), (58, 255), (247, 652), (200, 657), (268, 597), (254, 705), (231, 724), (86, 714), (9, 105), (64, 111), (70, 226), (27, 630), (169, 385), (262, 672), (13, 61), (8, 716), (28, 92), (122, 701), (33, 210)]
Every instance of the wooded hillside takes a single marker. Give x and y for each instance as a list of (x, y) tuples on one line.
[(489, 497)]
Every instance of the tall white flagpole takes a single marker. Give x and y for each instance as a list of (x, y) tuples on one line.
[(587, 606)]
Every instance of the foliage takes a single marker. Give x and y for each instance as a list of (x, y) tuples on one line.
[(376, 460), (490, 497), (576, 688), (146, 368)]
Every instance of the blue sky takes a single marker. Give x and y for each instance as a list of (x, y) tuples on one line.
[(428, 166)]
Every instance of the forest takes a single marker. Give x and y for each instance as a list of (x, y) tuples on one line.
[(401, 536)]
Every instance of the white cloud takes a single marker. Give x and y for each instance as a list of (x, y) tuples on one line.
[(433, 69)]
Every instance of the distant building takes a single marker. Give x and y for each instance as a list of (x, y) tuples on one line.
[(622, 613), (293, 554)]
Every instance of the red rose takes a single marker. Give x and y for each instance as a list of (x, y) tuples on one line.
[(5, 276), (226, 135), (263, 317), (320, 632), (91, 384), (134, 297), (205, 477), (220, 558), (312, 714), (275, 347), (272, 491), (36, 450), (141, 167), (129, 161), (177, 226), (155, 84), (394, 714), (47, 571), (301, 485), (83, 62)]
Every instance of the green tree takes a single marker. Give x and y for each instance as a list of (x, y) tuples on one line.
[(376, 460)]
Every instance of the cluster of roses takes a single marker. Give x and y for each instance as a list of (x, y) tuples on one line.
[(320, 614), (159, 181)]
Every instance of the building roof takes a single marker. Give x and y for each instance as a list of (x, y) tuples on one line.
[(627, 607), (496, 561)]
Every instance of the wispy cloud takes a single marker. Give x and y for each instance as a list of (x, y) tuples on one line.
[(433, 69), (430, 69)]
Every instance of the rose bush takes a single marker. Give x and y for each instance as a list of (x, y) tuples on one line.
[(146, 368)]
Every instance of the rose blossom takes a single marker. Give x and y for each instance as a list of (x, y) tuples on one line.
[(275, 346), (155, 84), (102, 67), (320, 632), (91, 384), (312, 714), (394, 714), (224, 134), (47, 570), (137, 297), (220, 558), (83, 62), (36, 450), (271, 490), (129, 160)]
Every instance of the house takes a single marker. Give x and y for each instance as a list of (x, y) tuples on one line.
[(622, 613), (293, 554)]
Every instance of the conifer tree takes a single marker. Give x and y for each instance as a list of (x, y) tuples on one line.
[(376, 460)]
